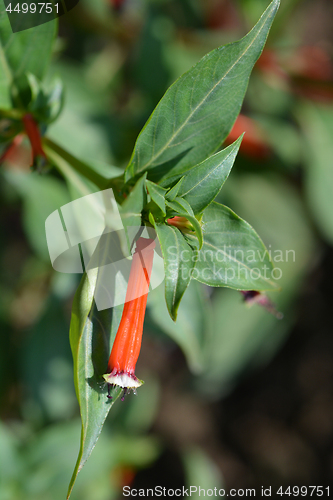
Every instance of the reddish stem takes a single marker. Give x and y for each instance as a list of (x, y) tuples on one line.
[(32, 131)]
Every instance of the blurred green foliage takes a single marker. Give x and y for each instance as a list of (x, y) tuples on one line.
[(115, 68)]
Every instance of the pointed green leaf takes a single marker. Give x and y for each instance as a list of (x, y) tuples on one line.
[(171, 195), (198, 110), (178, 265), (131, 208), (157, 194), (90, 337), (232, 255), (181, 207), (203, 182), (26, 51)]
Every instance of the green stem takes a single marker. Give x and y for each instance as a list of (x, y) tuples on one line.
[(67, 171), (13, 114), (78, 165)]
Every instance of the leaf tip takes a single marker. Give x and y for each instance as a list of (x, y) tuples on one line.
[(274, 5), (173, 311), (174, 316), (237, 143), (172, 308)]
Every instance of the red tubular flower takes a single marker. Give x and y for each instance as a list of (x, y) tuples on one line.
[(181, 223), (126, 347), (33, 133)]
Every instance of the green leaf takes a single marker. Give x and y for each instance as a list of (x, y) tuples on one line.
[(90, 337), (46, 105), (171, 195), (178, 265), (26, 51), (44, 102), (54, 101), (131, 208), (198, 110), (157, 194), (232, 254), (27, 89), (191, 328), (248, 337), (203, 182), (181, 207)]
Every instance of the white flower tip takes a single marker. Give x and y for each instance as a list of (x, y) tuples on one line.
[(124, 380)]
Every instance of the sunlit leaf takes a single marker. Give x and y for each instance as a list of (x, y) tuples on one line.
[(132, 206), (157, 194), (171, 195), (203, 182), (232, 254), (178, 265), (91, 332), (198, 110)]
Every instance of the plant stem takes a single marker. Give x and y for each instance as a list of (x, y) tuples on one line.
[(12, 114), (67, 171), (78, 165)]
